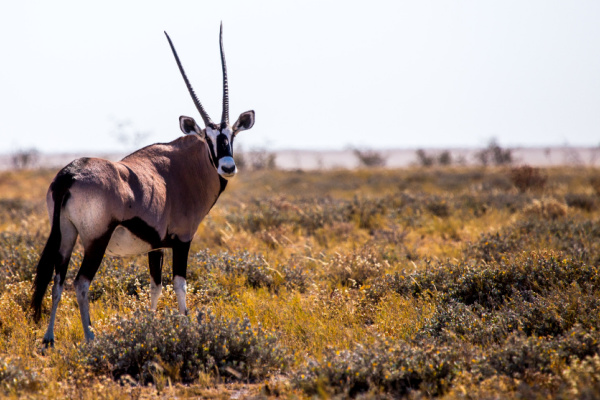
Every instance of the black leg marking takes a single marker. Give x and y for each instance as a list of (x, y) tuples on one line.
[(93, 255), (89, 266), (155, 262), (180, 256), (61, 269)]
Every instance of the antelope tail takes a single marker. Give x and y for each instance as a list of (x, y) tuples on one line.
[(50, 255)]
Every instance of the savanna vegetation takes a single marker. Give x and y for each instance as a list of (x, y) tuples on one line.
[(457, 283)]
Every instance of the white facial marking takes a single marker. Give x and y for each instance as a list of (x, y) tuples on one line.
[(228, 164), (212, 135)]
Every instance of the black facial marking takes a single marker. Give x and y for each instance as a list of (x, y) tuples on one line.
[(223, 146), (223, 182), (211, 149)]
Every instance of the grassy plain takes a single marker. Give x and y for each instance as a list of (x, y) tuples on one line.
[(449, 283)]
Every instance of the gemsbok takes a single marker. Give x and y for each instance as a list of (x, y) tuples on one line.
[(155, 198)]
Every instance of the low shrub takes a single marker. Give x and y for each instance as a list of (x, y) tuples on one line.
[(354, 269), (19, 255), (395, 368), (495, 246), (296, 276), (545, 208), (116, 275), (367, 213), (573, 239), (15, 377), (439, 208), (251, 266), (581, 201), (182, 347), (532, 314), (489, 285), (582, 379), (595, 183), (527, 178), (521, 354), (17, 209)]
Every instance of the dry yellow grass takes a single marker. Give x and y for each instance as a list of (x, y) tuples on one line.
[(318, 223)]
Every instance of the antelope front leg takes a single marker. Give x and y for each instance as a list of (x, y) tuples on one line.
[(179, 285), (155, 260), (180, 256)]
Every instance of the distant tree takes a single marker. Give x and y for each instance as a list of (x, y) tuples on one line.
[(370, 158), (260, 158), (445, 158), (595, 152), (494, 154), (572, 156), (240, 158), (125, 133), (424, 159), (25, 158)]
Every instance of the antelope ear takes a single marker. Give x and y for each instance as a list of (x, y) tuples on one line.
[(188, 126), (244, 122)]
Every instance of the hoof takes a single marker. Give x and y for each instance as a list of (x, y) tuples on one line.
[(47, 344)]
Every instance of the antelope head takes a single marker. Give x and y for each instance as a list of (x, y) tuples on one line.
[(219, 137)]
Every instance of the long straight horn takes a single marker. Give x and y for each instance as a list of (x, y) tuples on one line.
[(225, 116), (203, 113)]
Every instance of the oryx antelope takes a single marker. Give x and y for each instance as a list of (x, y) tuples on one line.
[(155, 198)]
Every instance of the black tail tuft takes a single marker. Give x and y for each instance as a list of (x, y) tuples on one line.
[(45, 270), (50, 255)]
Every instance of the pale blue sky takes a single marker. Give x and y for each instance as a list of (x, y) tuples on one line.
[(319, 74)]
